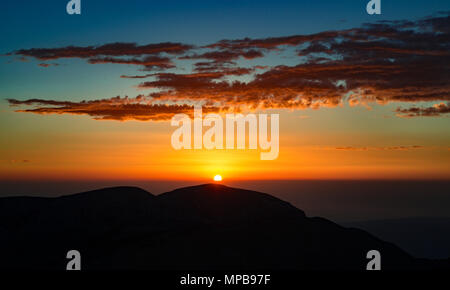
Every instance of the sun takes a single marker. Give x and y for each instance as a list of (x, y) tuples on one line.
[(218, 177)]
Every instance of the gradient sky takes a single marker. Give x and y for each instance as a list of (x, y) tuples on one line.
[(364, 141)]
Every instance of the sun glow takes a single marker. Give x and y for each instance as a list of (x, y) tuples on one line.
[(218, 178)]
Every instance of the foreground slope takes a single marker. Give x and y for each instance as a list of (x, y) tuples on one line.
[(194, 228)]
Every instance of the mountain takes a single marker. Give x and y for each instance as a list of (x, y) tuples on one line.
[(206, 227)]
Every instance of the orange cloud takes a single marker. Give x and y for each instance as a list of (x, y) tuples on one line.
[(119, 109), (387, 61)]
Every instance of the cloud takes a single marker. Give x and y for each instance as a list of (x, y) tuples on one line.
[(136, 76), (47, 64), (15, 161), (272, 43), (433, 111), (379, 148), (382, 62), (112, 53), (149, 62), (226, 56), (110, 49), (117, 108), (391, 61)]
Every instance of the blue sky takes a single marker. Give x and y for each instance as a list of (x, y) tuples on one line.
[(27, 24), (39, 23)]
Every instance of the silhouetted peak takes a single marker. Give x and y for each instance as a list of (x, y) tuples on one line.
[(114, 192), (218, 192), (223, 202)]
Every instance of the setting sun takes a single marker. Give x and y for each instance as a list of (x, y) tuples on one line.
[(218, 178)]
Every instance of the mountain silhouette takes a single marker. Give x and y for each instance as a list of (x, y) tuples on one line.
[(205, 227)]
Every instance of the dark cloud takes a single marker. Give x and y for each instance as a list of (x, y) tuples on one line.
[(433, 111), (389, 148), (226, 56), (149, 62), (391, 61), (111, 49), (47, 64), (273, 42), (119, 109), (386, 61), (136, 76)]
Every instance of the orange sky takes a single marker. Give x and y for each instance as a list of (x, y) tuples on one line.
[(75, 148)]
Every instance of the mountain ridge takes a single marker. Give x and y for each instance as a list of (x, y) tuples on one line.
[(209, 226)]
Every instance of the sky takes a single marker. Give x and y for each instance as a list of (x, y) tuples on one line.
[(90, 96)]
